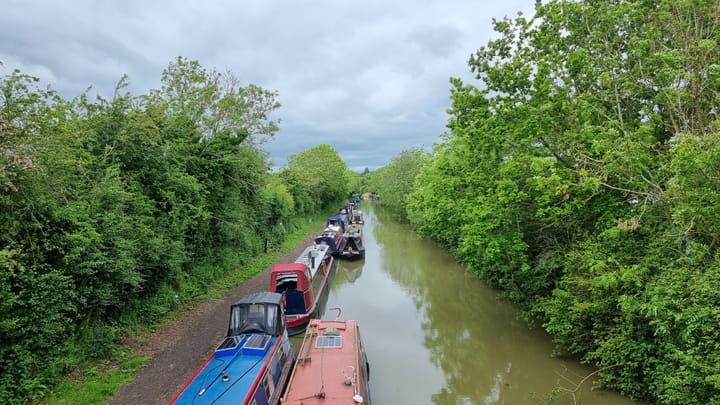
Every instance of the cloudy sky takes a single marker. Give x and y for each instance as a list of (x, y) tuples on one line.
[(369, 78)]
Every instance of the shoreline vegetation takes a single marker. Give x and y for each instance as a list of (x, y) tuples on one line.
[(580, 175), (115, 212), (99, 382)]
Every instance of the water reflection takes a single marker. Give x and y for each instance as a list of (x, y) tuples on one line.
[(350, 270), (437, 334)]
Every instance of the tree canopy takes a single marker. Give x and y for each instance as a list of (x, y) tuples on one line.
[(581, 177), (317, 175), (113, 206)]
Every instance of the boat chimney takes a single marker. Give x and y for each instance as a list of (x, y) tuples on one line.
[(311, 256)]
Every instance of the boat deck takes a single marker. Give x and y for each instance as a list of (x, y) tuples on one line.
[(318, 252), (329, 368), (241, 369)]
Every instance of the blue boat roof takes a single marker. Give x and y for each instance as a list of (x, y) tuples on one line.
[(241, 368)]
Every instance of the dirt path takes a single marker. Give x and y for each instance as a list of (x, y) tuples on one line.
[(176, 350)]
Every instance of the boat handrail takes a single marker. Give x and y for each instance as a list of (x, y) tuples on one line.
[(352, 381), (304, 356), (337, 317)]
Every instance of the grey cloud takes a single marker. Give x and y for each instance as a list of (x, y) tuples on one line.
[(440, 41), (369, 78)]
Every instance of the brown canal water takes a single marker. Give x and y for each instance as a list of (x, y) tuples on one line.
[(435, 334)]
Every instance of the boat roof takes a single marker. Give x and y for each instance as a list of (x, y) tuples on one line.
[(329, 353), (329, 232), (288, 267), (260, 297), (209, 387), (319, 251)]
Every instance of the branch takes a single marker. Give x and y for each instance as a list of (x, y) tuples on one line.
[(626, 190), (573, 391)]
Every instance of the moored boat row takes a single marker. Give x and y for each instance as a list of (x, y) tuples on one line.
[(255, 361), (344, 233)]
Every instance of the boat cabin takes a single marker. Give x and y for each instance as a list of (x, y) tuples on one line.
[(332, 366), (337, 222), (294, 281), (260, 312), (356, 218), (332, 238)]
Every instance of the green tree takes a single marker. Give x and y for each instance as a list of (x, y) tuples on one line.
[(319, 173), (395, 180), (217, 102), (579, 177), (108, 205)]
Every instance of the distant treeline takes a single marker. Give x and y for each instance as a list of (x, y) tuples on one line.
[(582, 176), (113, 210)]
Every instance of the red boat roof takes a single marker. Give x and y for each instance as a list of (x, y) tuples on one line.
[(287, 267), (330, 368)]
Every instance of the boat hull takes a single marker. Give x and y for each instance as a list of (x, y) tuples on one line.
[(354, 246)]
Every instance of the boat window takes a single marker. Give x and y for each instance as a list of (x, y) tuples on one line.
[(256, 312), (238, 315), (328, 342), (285, 281), (271, 317), (250, 318)]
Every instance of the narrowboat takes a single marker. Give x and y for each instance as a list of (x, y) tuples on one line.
[(332, 237), (332, 367), (338, 222), (357, 218), (252, 364), (354, 243), (304, 285), (347, 208)]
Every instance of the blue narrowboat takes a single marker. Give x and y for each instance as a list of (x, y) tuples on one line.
[(333, 238), (252, 364), (337, 222)]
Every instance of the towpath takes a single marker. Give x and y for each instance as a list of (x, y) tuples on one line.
[(178, 348)]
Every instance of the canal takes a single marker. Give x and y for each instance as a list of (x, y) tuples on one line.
[(436, 334)]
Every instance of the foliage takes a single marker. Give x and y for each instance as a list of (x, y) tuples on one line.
[(581, 177), (395, 181), (357, 181), (111, 207), (216, 102), (317, 178)]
